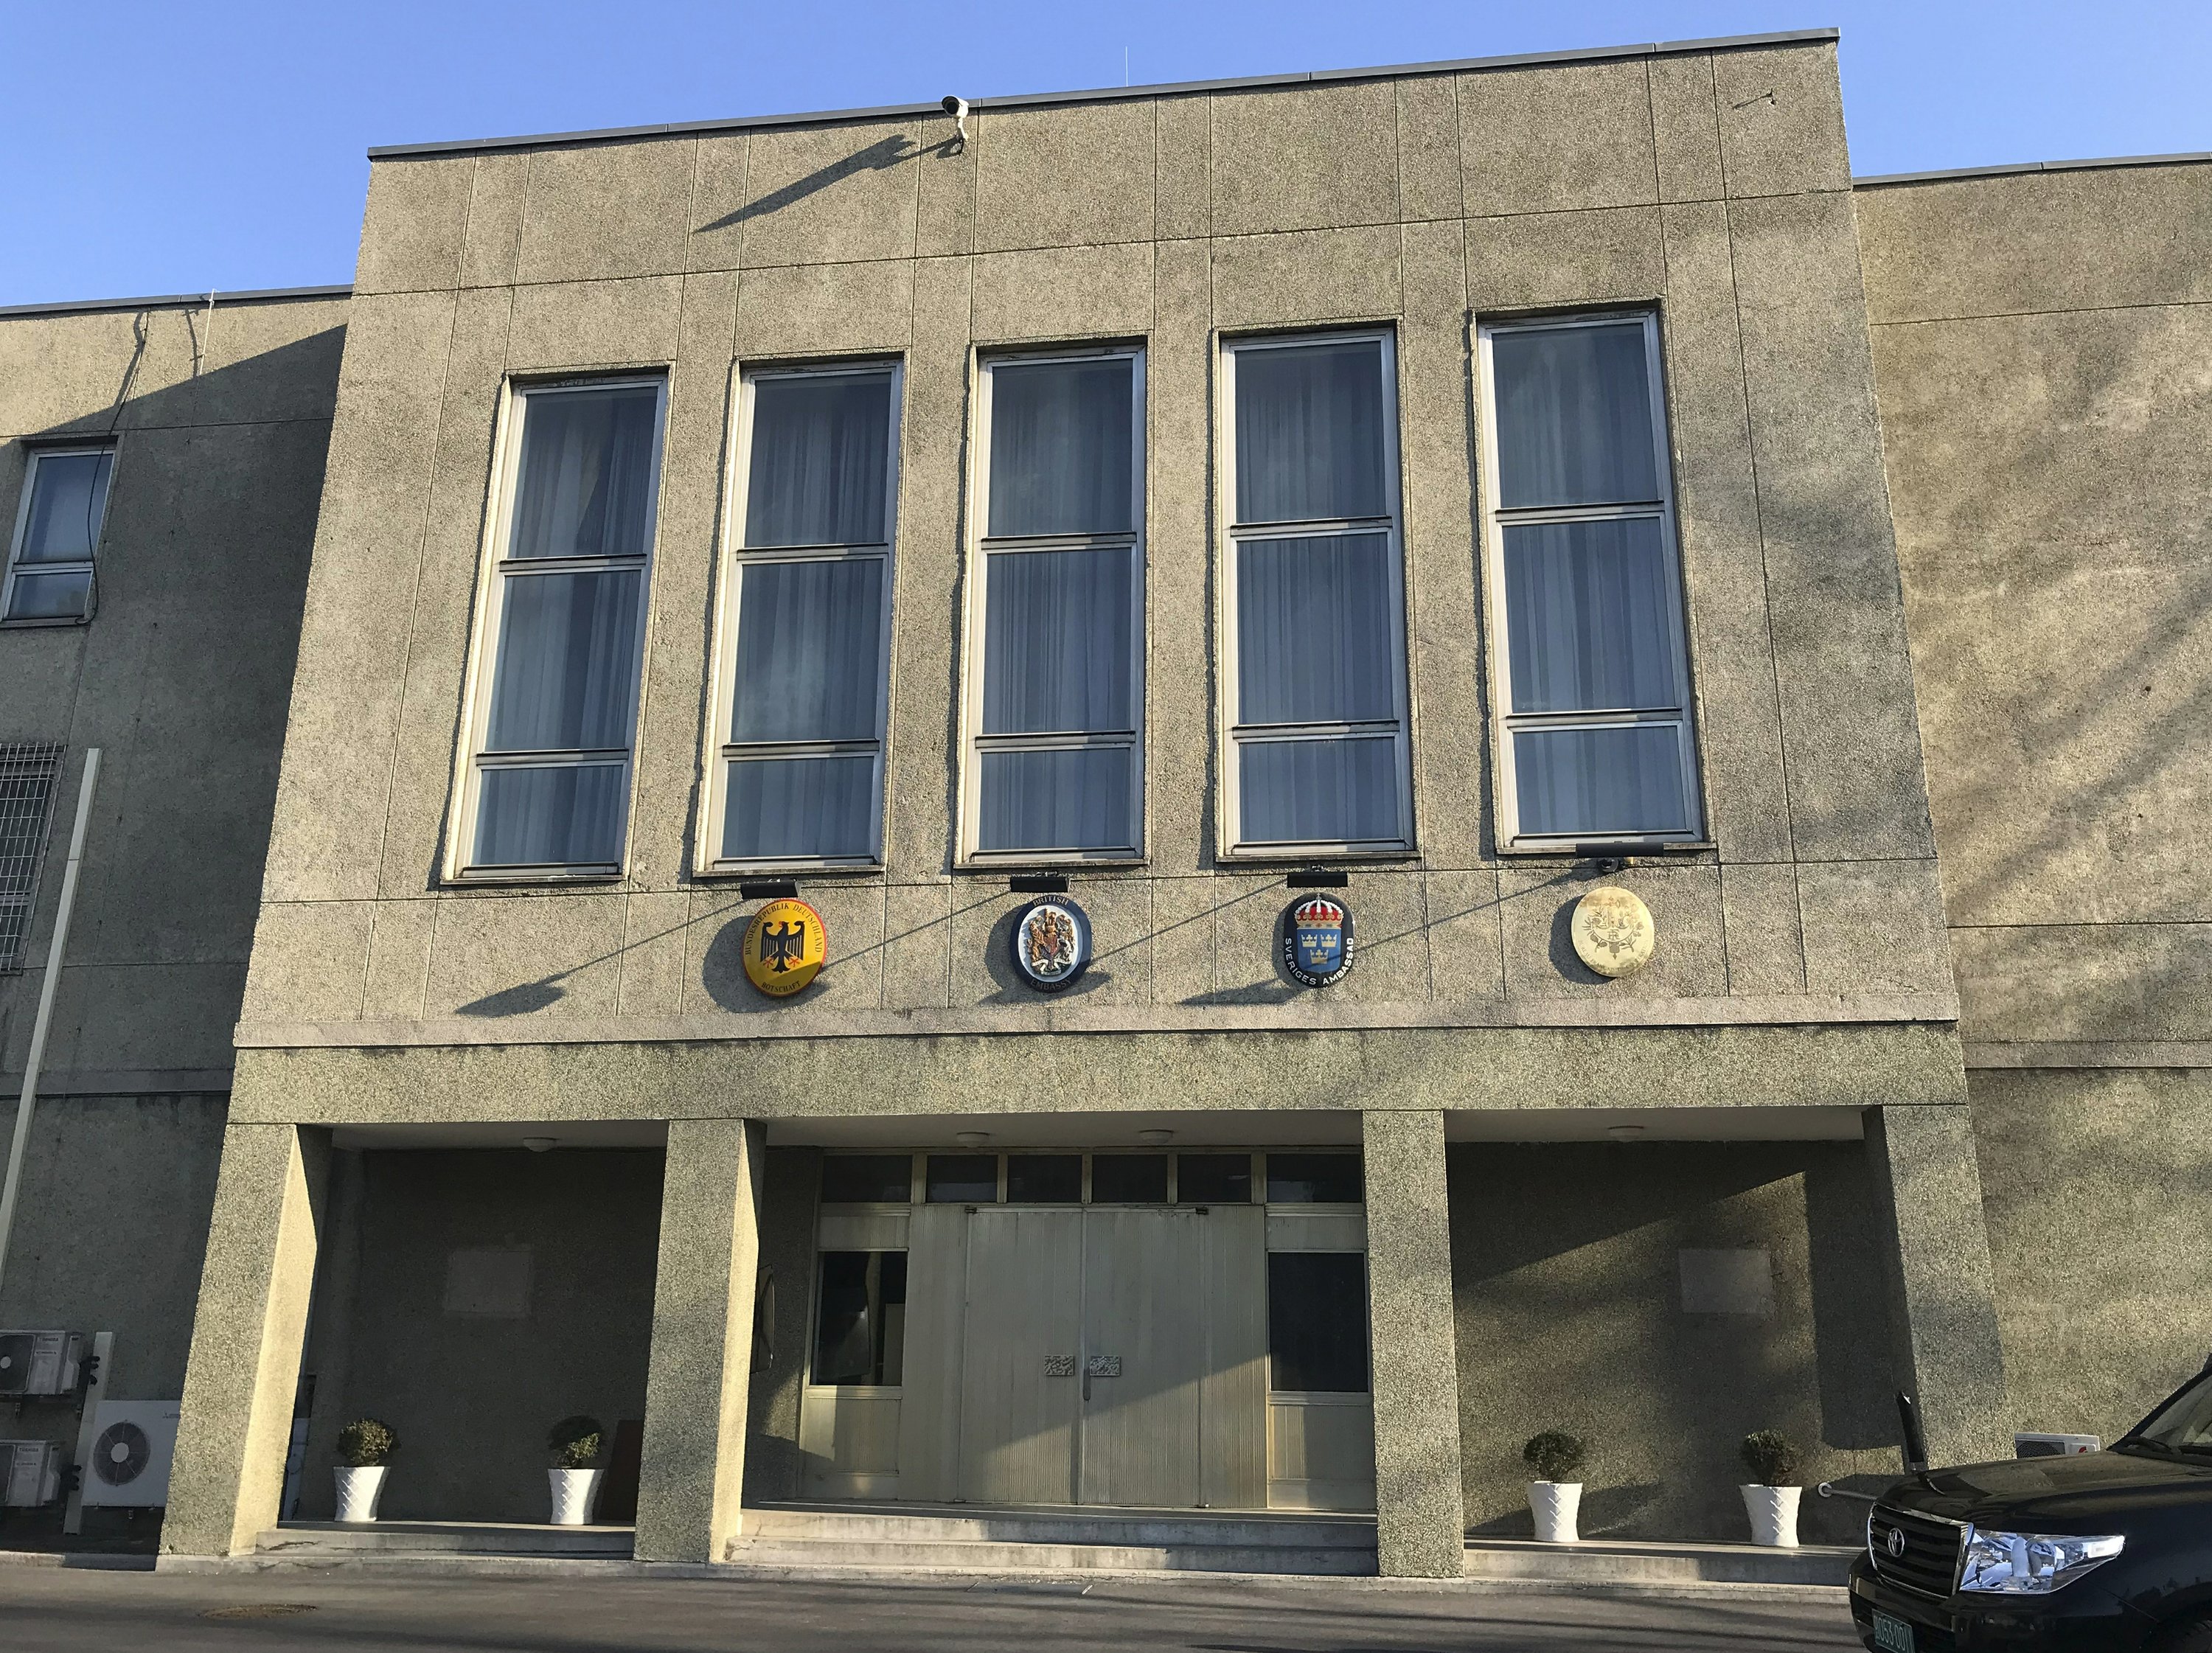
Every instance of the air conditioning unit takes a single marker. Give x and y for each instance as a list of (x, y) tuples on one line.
[(133, 1442), (30, 1473), (39, 1363), (2033, 1445)]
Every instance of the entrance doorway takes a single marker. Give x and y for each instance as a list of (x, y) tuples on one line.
[(1108, 1329)]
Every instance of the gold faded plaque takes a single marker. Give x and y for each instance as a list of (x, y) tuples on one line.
[(785, 947), (1613, 931)]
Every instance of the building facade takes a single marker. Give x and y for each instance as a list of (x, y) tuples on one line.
[(1188, 591)]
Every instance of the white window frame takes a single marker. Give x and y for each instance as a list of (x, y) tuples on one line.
[(1496, 519), (89, 566), (732, 558), (1233, 737), (979, 548), (471, 759)]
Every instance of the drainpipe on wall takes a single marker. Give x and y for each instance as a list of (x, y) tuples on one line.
[(46, 988)]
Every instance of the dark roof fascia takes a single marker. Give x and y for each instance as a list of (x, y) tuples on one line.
[(1884, 181), (178, 301), (1099, 95)]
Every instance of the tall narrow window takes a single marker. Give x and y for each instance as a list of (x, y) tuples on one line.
[(1314, 597), (1596, 740), (562, 633), (1055, 691), (805, 630), (56, 530)]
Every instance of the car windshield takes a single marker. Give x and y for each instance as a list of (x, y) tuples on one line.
[(2183, 1423)]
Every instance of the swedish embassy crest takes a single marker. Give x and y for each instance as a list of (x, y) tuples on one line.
[(1318, 941)]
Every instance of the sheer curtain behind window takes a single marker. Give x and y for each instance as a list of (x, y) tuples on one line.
[(803, 746), (1057, 707), (1317, 714), (1598, 738)]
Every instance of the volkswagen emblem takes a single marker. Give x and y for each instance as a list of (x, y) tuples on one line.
[(1895, 1543)]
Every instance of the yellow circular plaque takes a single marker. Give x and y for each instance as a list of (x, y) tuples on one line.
[(786, 945), (1613, 931)]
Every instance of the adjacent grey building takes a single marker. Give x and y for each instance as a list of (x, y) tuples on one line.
[(1113, 559)]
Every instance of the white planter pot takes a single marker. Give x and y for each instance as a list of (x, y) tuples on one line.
[(1773, 1512), (359, 1489), (1555, 1505), (574, 1492)]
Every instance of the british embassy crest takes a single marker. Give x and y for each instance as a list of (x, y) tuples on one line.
[(1318, 941), (1052, 944), (786, 945)]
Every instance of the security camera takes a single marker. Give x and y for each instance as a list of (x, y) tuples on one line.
[(958, 108)]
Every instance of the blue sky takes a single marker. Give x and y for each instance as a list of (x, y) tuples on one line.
[(164, 149)]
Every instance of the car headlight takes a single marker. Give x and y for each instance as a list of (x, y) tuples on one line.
[(2030, 1563)]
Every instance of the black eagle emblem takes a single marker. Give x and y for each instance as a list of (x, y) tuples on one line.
[(783, 946)]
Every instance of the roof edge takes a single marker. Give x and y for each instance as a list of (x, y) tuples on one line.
[(1101, 94), (177, 300), (1884, 181)]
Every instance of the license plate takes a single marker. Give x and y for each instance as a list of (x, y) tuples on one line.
[(1891, 1635)]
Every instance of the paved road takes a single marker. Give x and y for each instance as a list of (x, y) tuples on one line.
[(51, 1610)]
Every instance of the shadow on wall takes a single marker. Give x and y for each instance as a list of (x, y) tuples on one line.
[(1571, 1313)]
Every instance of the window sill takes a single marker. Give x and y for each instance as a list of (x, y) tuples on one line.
[(524, 880), (1583, 850), (729, 871), (1058, 863), (1297, 858), (29, 624)]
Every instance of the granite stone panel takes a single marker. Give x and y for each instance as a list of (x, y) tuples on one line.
[(1179, 365), (821, 194), (1536, 905), (918, 946), (1182, 134), (499, 957), (595, 324), (1283, 281), (1766, 933), (308, 961), (347, 692), (721, 204), (412, 229), (656, 937), (259, 364), (1685, 128), (1182, 940), (602, 210), (1982, 246), (944, 212), (398, 974), (1849, 728), (1781, 111), (1319, 156), (1415, 1369), (1068, 175), (1723, 555), (1466, 953), (1874, 926), (1428, 182), (88, 372), (494, 236), (827, 309), (2064, 983), (1543, 139), (1560, 260), (1064, 293)]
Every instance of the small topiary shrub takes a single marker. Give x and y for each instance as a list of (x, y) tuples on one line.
[(367, 1441), (575, 1441), (1556, 1455), (1771, 1458)]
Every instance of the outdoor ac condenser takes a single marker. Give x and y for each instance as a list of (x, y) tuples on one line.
[(39, 1363), (30, 1473), (128, 1468)]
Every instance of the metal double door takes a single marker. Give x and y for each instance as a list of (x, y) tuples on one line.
[(1085, 1348)]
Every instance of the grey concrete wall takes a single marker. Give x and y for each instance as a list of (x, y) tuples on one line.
[(2041, 344), (222, 421), (1715, 184), (471, 1398), (2096, 1186), (1569, 1315)]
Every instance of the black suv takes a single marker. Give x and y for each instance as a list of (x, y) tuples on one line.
[(2094, 1553)]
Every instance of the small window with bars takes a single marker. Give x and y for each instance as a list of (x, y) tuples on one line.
[(28, 769)]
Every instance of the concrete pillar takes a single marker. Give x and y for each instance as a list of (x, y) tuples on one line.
[(1419, 1522), (228, 1476), (691, 1474), (1942, 1295)]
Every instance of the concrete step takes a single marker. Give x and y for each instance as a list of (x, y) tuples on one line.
[(977, 1555), (1601, 1561), (1170, 1529), (340, 1540)]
